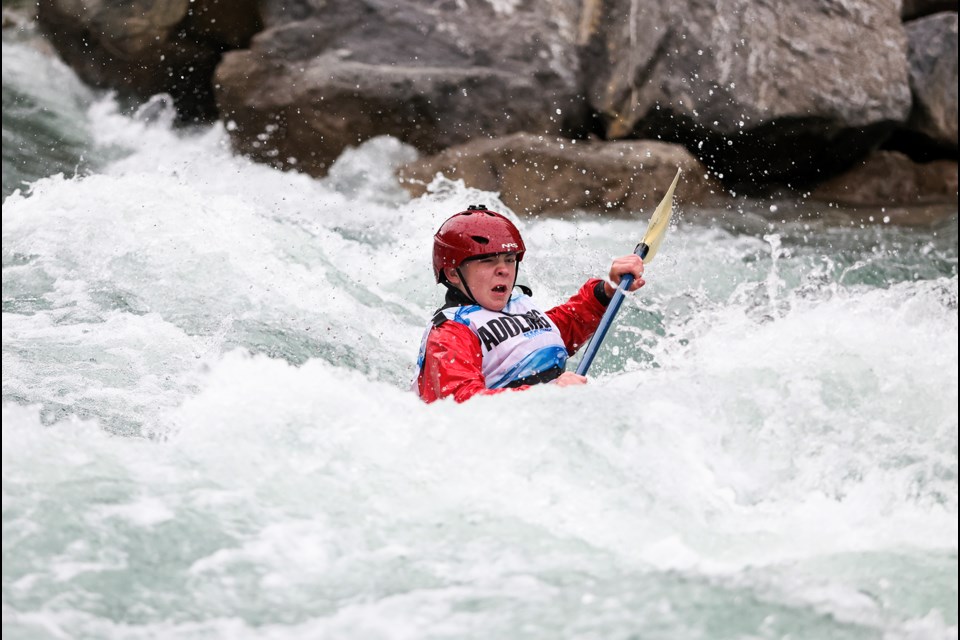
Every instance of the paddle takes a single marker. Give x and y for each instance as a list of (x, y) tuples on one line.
[(646, 250)]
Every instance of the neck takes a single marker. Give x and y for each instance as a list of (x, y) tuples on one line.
[(456, 297)]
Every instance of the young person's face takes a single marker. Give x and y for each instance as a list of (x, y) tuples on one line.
[(490, 279)]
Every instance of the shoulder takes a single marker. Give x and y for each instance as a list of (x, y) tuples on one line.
[(448, 342), (448, 327), (460, 315)]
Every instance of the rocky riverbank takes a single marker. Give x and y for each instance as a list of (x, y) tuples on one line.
[(559, 104)]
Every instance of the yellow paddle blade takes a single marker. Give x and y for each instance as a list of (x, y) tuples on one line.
[(659, 221)]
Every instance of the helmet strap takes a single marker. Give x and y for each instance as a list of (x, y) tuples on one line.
[(466, 287)]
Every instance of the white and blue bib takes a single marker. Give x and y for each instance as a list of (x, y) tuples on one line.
[(519, 342)]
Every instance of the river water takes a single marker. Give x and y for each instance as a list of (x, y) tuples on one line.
[(207, 431)]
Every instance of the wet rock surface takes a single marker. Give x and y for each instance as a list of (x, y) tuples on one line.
[(537, 174), (765, 91)]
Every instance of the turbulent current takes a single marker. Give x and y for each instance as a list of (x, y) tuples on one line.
[(208, 430)]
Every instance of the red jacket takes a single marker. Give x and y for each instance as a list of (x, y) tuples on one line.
[(453, 361)]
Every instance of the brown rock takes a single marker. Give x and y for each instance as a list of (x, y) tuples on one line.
[(540, 174), (890, 178)]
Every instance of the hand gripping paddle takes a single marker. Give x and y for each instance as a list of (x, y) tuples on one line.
[(646, 250)]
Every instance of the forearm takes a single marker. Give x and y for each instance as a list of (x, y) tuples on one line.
[(579, 316)]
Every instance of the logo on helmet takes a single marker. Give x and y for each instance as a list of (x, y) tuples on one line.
[(509, 245)]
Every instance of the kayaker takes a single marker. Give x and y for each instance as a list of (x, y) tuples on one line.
[(490, 336)]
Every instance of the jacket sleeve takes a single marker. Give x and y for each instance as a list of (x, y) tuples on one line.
[(453, 365), (579, 316)]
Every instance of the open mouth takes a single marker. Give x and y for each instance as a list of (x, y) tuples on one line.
[(500, 288)]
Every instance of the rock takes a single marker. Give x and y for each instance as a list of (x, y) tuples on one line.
[(146, 47), (432, 75), (763, 91), (890, 178), (932, 53), (540, 174)]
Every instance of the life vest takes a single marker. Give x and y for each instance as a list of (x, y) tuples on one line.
[(519, 345)]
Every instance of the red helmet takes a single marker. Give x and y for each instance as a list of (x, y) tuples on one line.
[(474, 233)]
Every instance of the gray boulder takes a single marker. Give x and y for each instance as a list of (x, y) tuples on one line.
[(431, 74), (933, 78), (761, 90)]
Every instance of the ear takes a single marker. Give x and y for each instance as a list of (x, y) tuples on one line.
[(452, 275)]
